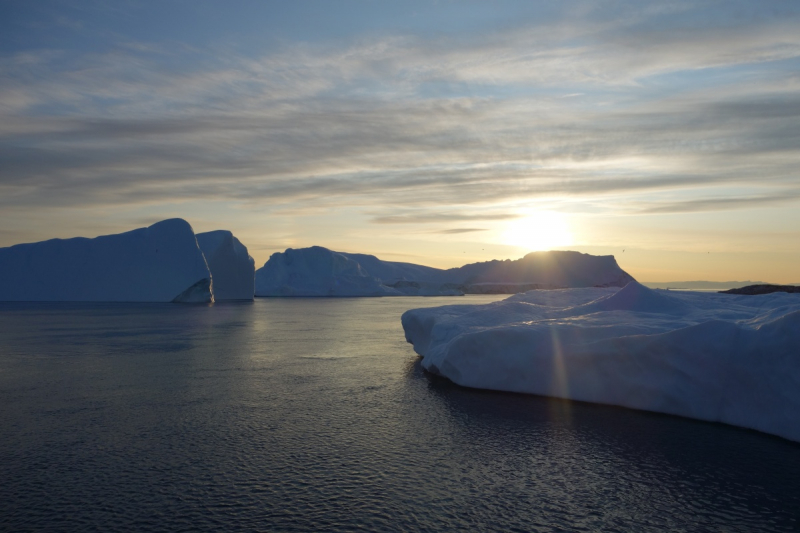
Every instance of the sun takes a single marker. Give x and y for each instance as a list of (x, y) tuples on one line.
[(539, 231)]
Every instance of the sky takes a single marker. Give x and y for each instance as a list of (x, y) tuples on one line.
[(436, 132)]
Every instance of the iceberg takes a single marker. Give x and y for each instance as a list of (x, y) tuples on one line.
[(724, 358), (316, 271), (537, 270), (232, 268), (552, 269), (391, 272), (297, 273), (160, 263), (407, 279)]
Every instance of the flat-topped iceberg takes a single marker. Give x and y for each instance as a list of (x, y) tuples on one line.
[(551, 269), (716, 357), (232, 268), (161, 263)]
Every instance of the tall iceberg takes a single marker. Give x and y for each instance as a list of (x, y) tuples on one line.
[(160, 263), (716, 357), (232, 268)]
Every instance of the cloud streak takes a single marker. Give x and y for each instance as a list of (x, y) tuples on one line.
[(457, 231), (722, 204), (656, 104)]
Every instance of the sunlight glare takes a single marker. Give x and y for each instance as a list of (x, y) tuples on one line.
[(541, 230)]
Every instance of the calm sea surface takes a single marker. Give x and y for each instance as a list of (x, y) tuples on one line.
[(314, 415)]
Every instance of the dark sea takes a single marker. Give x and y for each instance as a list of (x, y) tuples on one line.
[(314, 415)]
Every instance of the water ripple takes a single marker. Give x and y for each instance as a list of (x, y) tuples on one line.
[(313, 415)]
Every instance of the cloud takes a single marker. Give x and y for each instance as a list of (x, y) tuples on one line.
[(455, 231), (421, 218), (409, 121), (722, 204)]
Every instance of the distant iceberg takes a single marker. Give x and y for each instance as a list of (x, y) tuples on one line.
[(553, 269), (161, 263), (716, 357), (391, 272), (232, 268), (316, 271), (536, 270)]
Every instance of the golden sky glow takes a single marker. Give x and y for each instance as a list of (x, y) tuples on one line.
[(538, 230), (434, 132)]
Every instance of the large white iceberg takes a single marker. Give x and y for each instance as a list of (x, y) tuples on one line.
[(716, 357), (161, 263), (232, 268), (316, 271)]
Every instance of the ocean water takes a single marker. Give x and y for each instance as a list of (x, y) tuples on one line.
[(314, 415)]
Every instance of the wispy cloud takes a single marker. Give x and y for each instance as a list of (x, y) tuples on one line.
[(456, 231), (658, 102), (419, 218), (720, 204)]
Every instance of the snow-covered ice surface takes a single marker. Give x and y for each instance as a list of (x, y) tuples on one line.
[(716, 357), (232, 268), (316, 271), (160, 263)]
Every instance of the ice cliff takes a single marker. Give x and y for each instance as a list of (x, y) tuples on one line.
[(160, 263), (715, 357), (232, 268)]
